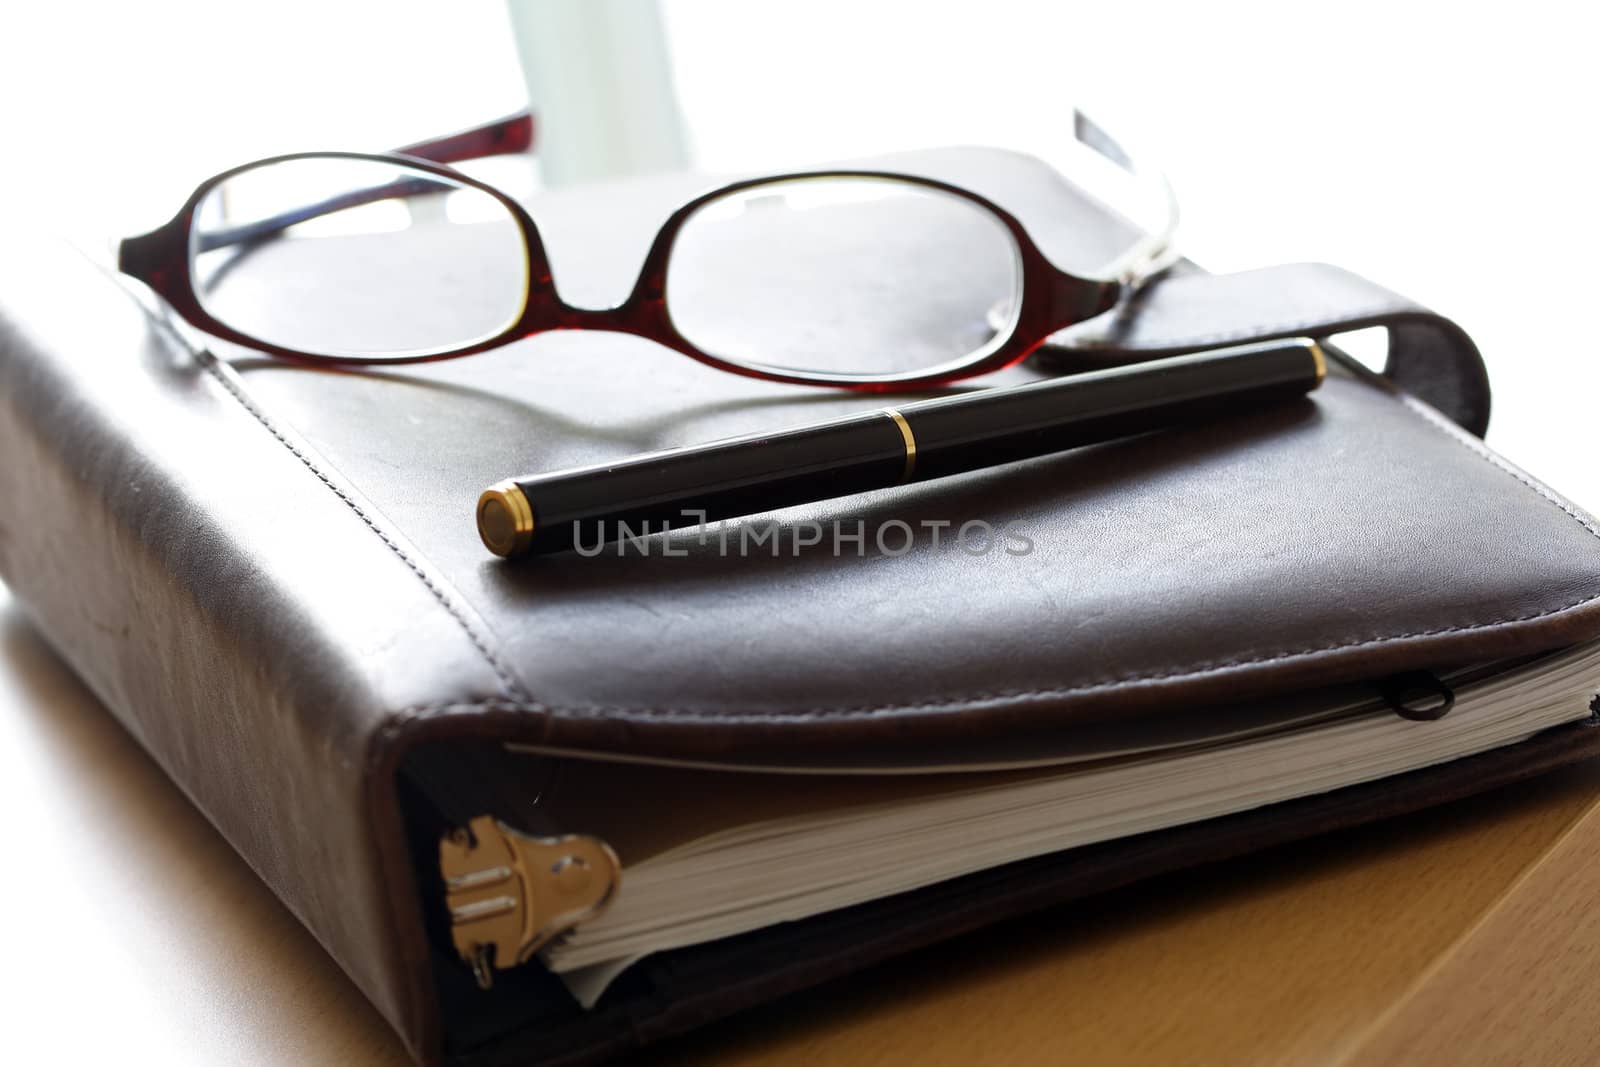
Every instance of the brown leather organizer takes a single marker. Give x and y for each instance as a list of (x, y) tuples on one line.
[(270, 575)]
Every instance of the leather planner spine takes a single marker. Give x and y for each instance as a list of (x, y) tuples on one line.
[(159, 574)]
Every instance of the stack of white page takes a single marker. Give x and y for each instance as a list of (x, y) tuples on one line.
[(706, 856)]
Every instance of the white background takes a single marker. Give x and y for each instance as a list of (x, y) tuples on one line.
[(1444, 149)]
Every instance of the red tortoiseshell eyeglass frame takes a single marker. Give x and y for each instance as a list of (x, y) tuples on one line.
[(1051, 299)]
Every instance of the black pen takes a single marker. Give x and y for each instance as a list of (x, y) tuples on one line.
[(885, 447)]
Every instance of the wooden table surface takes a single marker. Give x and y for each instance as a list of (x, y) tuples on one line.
[(1465, 934)]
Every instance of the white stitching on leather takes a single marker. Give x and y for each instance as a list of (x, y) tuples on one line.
[(528, 705), (508, 681), (1199, 670)]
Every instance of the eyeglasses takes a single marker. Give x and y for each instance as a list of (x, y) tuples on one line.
[(351, 258)]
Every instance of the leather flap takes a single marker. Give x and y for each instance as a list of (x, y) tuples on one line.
[(1349, 536)]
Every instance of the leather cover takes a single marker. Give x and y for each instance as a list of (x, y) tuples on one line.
[(271, 576)]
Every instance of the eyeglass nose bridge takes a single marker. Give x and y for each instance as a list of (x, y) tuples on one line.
[(643, 314)]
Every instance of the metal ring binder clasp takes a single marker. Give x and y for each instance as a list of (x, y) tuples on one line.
[(509, 894)]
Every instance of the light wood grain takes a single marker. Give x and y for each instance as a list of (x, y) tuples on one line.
[(131, 931), (1519, 987)]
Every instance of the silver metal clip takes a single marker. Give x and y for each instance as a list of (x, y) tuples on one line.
[(510, 893)]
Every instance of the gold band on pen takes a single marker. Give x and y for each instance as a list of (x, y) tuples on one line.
[(910, 440), (1319, 359), (505, 519)]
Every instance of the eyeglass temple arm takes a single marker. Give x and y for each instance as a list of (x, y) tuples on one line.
[(1155, 251), (506, 136), (272, 225), (502, 137)]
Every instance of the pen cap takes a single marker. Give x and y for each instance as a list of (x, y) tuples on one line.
[(960, 433)]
